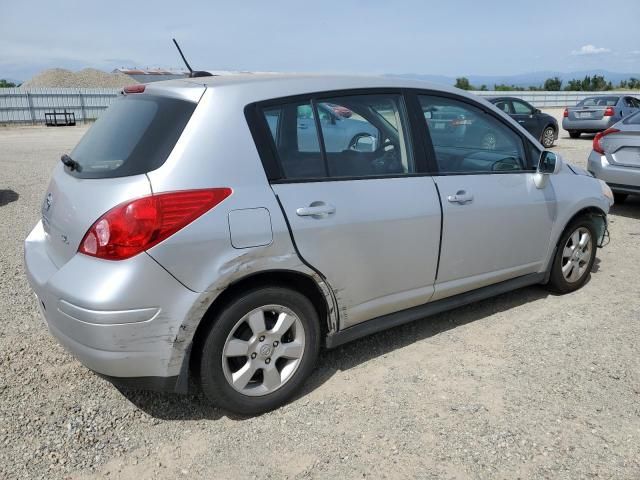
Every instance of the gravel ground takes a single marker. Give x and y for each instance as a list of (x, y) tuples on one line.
[(86, 78), (525, 385)]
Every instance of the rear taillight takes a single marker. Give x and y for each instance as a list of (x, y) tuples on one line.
[(137, 225), (609, 112), (139, 88), (566, 112), (597, 146)]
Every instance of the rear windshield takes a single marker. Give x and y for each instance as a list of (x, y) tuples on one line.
[(598, 102), (134, 135)]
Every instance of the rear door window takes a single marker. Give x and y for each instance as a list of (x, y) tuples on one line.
[(134, 135), (352, 136)]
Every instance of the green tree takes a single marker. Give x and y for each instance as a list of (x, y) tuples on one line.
[(6, 84), (483, 88), (504, 88), (463, 83), (574, 85), (553, 84)]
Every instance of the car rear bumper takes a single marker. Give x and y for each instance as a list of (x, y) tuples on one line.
[(119, 319), (620, 179), (587, 125)]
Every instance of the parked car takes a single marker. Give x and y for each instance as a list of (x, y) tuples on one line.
[(541, 125), (595, 114), (615, 157), (187, 234)]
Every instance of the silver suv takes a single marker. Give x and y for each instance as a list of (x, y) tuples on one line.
[(208, 228)]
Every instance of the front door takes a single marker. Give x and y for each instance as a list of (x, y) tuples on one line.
[(362, 218), (496, 223), (525, 115)]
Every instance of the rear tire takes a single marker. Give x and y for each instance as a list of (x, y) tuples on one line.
[(548, 137), (574, 134), (259, 351), (620, 197), (574, 257)]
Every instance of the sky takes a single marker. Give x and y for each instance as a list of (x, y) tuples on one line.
[(339, 36)]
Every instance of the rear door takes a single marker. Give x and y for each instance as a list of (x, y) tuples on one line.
[(362, 215), (496, 223)]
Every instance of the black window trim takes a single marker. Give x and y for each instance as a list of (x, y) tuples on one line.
[(421, 145)]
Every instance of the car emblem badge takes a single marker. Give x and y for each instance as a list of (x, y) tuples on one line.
[(265, 350)]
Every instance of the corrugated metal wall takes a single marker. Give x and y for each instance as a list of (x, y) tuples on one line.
[(19, 105)]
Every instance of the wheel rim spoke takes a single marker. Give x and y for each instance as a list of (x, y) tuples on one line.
[(236, 348), (584, 240), (256, 322), (566, 269), (271, 378), (567, 252), (575, 238), (241, 377), (292, 350), (283, 323)]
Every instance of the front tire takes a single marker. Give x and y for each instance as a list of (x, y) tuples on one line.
[(259, 351), (574, 134), (574, 258), (548, 137)]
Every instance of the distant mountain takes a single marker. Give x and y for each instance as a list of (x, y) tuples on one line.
[(521, 80)]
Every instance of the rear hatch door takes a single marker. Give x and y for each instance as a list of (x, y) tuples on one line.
[(134, 136), (623, 147)]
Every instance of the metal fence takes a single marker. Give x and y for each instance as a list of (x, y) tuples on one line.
[(544, 99), (19, 105)]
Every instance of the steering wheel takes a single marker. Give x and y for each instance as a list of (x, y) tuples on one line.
[(386, 159)]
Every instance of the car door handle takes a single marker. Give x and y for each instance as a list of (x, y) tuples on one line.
[(520, 121), (316, 210), (460, 197)]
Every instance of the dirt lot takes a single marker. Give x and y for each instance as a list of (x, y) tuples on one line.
[(526, 385)]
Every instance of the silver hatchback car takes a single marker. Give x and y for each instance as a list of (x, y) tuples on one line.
[(615, 157), (203, 228)]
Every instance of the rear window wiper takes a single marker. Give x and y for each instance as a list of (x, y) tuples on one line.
[(71, 163)]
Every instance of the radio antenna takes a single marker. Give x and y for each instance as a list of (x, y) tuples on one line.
[(192, 73)]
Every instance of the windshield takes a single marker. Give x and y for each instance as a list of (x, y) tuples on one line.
[(134, 135), (598, 102)]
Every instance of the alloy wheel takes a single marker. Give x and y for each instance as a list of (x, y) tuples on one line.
[(547, 137), (263, 350), (576, 255)]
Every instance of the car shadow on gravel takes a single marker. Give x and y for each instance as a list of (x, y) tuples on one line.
[(196, 407), (8, 196), (630, 208), (360, 351)]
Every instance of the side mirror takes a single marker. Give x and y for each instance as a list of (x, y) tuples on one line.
[(536, 111), (364, 143), (549, 163)]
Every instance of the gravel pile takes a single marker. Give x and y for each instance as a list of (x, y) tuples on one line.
[(526, 385), (87, 78)]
